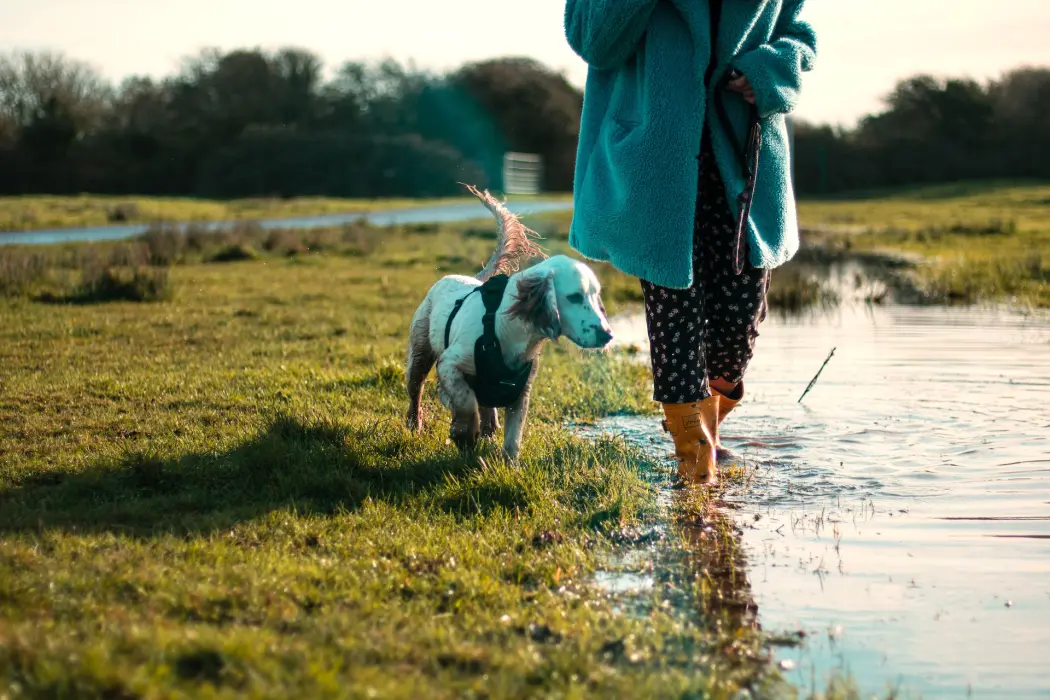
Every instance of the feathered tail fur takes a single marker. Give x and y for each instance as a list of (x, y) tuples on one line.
[(514, 242)]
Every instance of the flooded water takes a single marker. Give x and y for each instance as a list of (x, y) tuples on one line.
[(440, 213), (900, 516)]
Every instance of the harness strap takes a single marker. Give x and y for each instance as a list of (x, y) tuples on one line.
[(495, 384), (455, 311), (491, 297)]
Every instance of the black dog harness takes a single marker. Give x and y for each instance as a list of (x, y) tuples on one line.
[(496, 385)]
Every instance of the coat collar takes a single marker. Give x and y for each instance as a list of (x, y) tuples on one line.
[(738, 19)]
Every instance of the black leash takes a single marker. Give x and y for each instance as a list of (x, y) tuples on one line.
[(748, 156)]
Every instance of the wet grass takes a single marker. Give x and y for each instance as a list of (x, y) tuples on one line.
[(32, 212), (796, 288), (973, 243), (213, 495)]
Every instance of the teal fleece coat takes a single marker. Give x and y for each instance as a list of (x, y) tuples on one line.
[(643, 111)]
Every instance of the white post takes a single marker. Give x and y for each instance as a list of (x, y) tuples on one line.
[(522, 173)]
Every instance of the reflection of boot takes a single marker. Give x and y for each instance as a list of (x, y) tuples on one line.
[(718, 557), (726, 403), (694, 428)]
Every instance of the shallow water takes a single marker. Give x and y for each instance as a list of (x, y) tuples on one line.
[(440, 213), (899, 516)]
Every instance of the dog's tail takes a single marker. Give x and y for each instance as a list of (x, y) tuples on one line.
[(514, 242)]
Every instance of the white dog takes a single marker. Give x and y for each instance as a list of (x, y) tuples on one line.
[(556, 297)]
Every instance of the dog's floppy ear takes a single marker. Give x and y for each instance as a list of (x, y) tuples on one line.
[(536, 303)]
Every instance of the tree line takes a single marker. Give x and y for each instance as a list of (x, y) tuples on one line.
[(251, 123), (934, 131)]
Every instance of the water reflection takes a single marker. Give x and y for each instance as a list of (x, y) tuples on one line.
[(899, 516), (713, 550)]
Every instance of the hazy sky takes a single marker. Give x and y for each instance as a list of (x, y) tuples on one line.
[(865, 44)]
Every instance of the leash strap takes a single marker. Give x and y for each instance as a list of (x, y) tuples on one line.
[(748, 156), (754, 143)]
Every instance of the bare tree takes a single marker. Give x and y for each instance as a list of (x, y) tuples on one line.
[(33, 84)]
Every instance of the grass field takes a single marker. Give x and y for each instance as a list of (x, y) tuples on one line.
[(978, 241), (212, 495), (41, 211), (205, 488)]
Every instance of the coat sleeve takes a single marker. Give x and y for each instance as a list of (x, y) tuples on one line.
[(605, 33), (775, 69)]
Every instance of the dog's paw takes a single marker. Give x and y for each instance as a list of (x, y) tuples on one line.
[(465, 444), (465, 439)]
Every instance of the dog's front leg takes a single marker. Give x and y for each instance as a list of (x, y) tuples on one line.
[(515, 423), (457, 395)]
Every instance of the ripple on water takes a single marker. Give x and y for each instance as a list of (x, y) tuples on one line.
[(903, 504)]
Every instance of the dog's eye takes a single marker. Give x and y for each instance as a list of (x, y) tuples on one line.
[(575, 298)]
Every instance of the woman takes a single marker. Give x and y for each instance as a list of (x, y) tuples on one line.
[(676, 92)]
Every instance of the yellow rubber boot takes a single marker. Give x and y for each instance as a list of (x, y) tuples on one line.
[(726, 403), (694, 429)]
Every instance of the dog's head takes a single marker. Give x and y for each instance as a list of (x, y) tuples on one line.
[(561, 296)]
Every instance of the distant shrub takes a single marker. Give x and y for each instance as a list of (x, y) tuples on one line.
[(792, 291), (164, 245), (125, 211), (249, 232), (361, 239), (992, 227), (198, 238), (422, 228), (284, 242), (319, 240), (123, 284), (488, 234), (133, 254), (234, 252), (20, 271)]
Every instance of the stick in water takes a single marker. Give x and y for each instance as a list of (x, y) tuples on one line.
[(817, 375)]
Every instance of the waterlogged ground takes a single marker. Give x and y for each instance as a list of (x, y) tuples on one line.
[(900, 516)]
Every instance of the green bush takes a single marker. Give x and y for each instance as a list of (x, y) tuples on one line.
[(234, 252), (123, 284)]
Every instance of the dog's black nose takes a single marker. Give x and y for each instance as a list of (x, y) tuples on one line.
[(603, 337)]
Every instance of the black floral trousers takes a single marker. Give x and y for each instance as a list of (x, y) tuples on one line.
[(707, 331)]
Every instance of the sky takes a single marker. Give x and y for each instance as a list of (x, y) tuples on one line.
[(865, 45)]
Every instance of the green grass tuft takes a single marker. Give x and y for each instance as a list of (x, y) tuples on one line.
[(235, 252)]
